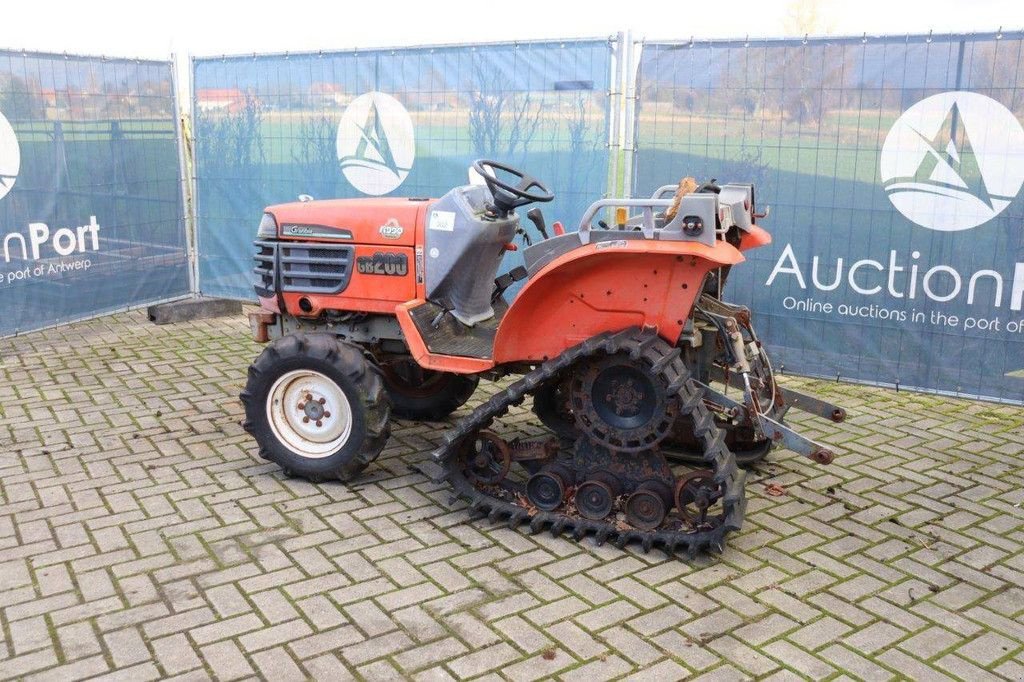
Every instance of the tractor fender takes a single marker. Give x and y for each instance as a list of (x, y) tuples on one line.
[(607, 286), (754, 237)]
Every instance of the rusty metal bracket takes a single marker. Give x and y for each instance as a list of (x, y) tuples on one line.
[(722, 402), (812, 405), (791, 440)]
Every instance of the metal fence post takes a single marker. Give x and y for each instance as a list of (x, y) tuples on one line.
[(615, 104), (187, 194), (629, 118)]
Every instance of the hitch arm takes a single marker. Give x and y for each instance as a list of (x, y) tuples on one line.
[(815, 406), (791, 440)]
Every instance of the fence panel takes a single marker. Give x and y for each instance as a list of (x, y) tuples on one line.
[(893, 167), (400, 122), (91, 216)]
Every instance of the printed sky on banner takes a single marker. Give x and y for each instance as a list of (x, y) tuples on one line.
[(508, 68), (838, 63)]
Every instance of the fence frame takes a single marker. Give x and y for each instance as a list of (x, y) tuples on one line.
[(619, 54), (183, 206)]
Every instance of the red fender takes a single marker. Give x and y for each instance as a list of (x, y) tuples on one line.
[(607, 286)]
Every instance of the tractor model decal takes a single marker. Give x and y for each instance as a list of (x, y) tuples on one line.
[(390, 264)]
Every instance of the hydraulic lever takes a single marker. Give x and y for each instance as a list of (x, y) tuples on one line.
[(537, 218)]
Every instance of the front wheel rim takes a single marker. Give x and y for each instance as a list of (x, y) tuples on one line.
[(309, 413)]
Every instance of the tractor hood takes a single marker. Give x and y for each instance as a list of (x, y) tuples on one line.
[(385, 221)]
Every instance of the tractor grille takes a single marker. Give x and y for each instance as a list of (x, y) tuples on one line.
[(266, 257), (285, 267)]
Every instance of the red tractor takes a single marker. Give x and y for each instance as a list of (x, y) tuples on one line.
[(394, 307)]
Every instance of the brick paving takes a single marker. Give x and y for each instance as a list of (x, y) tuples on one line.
[(141, 537)]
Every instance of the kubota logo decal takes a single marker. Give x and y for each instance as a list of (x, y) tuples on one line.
[(953, 161), (376, 145), (10, 157), (392, 229)]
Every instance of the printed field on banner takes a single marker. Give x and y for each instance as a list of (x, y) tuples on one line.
[(91, 217), (397, 122), (893, 168)]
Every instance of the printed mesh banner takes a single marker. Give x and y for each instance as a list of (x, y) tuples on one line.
[(91, 216), (403, 123), (893, 167)]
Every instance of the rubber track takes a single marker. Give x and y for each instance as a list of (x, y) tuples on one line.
[(638, 343)]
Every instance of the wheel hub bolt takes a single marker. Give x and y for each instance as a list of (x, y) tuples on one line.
[(305, 420), (327, 415), (322, 401), (319, 422)]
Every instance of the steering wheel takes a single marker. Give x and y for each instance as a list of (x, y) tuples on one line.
[(507, 197)]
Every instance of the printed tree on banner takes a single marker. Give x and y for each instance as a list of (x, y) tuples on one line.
[(21, 99), (500, 121), (316, 160), (584, 173), (232, 152)]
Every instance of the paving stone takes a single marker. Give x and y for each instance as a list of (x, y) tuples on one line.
[(988, 647), (522, 634), (930, 642), (327, 667), (607, 615), (175, 654), (743, 656), (153, 537), (226, 660), (482, 661), (799, 660), (276, 664), (126, 647), (874, 637), (540, 667), (597, 671), (429, 654)]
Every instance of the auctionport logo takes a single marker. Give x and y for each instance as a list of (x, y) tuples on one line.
[(376, 146), (10, 157), (953, 161)]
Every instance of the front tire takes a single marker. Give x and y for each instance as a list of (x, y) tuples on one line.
[(317, 407)]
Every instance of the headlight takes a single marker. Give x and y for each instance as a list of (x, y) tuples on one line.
[(268, 227)]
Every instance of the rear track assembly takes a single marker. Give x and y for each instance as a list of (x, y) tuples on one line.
[(468, 449)]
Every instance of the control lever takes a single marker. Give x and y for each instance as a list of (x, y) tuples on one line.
[(537, 218)]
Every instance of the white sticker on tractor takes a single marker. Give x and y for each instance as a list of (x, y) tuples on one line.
[(617, 244), (442, 220), (434, 253)]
